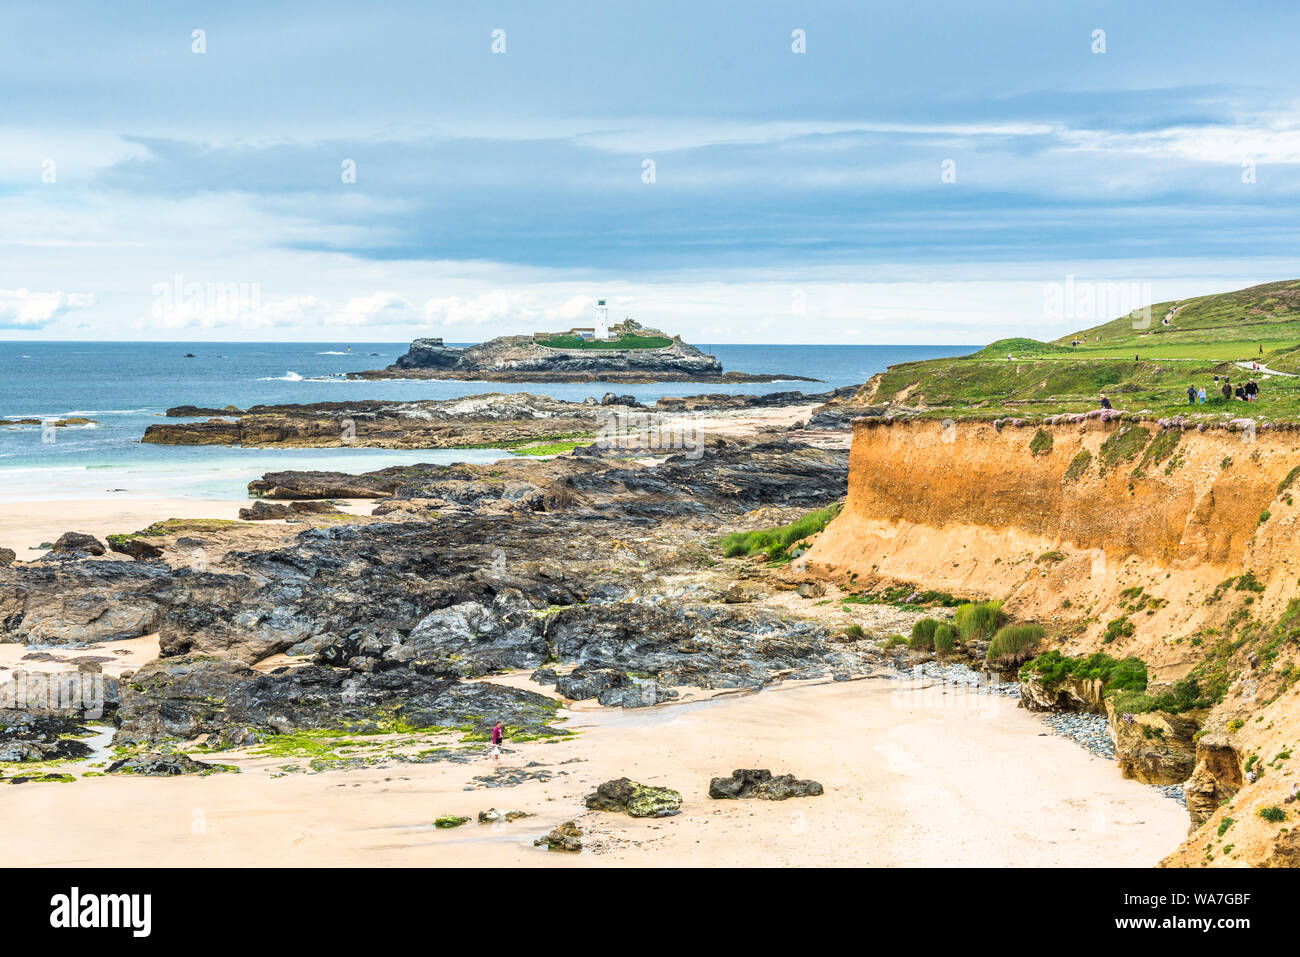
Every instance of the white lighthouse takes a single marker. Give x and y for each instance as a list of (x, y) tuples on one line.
[(602, 319)]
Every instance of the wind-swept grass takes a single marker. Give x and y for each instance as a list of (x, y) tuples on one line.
[(779, 538)]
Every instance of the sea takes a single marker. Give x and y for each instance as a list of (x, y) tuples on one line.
[(127, 386)]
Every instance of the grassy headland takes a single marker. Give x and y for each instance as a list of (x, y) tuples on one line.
[(1186, 343)]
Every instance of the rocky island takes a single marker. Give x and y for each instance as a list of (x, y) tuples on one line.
[(630, 354)]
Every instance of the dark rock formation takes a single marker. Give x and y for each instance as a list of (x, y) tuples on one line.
[(759, 783), (429, 354), (77, 544), (637, 800), (162, 765), (39, 736), (521, 359), (265, 511), (394, 616), (80, 602), (138, 548)]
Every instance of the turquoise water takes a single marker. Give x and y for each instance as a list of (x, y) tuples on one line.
[(126, 386)]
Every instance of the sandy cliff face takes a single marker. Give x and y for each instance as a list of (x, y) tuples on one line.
[(1115, 539)]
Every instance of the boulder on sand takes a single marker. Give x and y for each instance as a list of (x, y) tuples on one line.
[(77, 543), (638, 800), (136, 548), (566, 837), (494, 816), (759, 783), (156, 764)]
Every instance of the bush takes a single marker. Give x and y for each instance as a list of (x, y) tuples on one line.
[(1118, 628), (893, 641), (1117, 677), (923, 634), (1274, 815), (1186, 695), (979, 621), (945, 639), (1015, 644)]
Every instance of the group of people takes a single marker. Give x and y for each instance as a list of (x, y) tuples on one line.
[(1247, 391)]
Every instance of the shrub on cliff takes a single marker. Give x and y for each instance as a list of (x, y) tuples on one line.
[(923, 634), (1123, 445), (1041, 443), (1052, 668), (1185, 695), (945, 639), (979, 621), (1078, 465), (1015, 644)]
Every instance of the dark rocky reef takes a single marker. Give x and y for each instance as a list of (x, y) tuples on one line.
[(389, 623)]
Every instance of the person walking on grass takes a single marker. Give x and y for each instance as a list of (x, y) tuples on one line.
[(1226, 389), (1201, 395), (1105, 402), (497, 733), (1191, 395)]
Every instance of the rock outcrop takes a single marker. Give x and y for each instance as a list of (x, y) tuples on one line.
[(636, 800), (759, 783), (565, 837), (523, 359), (1154, 747)]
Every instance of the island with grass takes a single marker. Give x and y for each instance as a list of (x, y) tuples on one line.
[(630, 353)]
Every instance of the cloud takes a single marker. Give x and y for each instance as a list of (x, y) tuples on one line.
[(496, 306), (25, 309)]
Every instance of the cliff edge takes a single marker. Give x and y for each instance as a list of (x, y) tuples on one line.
[(1158, 540)]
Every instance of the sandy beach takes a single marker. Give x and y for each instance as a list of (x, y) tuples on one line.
[(27, 524), (912, 778)]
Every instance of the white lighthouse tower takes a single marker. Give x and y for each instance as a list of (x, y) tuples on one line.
[(602, 319)]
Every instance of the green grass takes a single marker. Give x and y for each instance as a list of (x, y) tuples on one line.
[(1025, 377), (923, 630), (776, 540), (945, 639), (977, 621), (551, 448), (1014, 644), (1116, 676), (626, 341)]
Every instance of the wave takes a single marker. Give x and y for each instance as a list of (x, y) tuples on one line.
[(332, 352), (289, 376)]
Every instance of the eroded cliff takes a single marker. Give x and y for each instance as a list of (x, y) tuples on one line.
[(1158, 540)]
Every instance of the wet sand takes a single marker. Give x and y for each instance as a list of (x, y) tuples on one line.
[(911, 777)]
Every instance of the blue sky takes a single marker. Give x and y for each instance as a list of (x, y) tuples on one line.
[(795, 196)]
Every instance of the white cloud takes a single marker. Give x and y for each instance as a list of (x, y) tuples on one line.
[(376, 309), (25, 309), (496, 306)]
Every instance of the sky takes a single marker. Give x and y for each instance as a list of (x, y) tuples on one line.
[(769, 172)]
